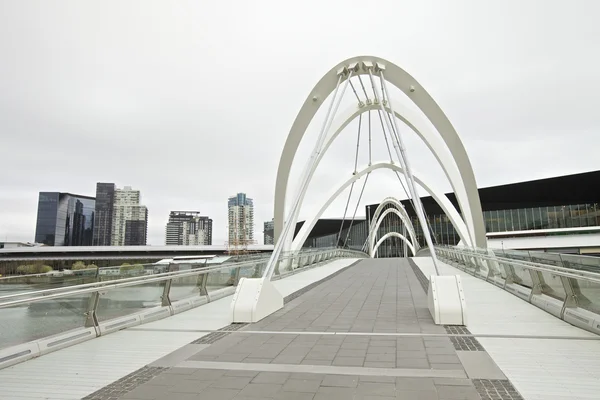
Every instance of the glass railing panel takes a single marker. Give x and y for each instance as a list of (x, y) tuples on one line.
[(583, 263), (587, 294), (130, 271), (51, 280), (546, 258), (130, 299), (185, 287), (552, 285), (36, 320), (221, 278), (521, 276)]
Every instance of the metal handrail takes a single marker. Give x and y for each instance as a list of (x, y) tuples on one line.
[(49, 294), (560, 271), (143, 278)]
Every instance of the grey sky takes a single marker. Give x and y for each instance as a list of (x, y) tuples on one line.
[(191, 101)]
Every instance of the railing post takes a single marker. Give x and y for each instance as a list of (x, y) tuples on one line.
[(166, 301), (202, 284), (91, 319), (570, 296), (536, 283)]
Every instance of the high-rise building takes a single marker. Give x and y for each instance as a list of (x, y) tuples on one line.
[(241, 219), (188, 228), (65, 219), (130, 219), (105, 200), (120, 220), (268, 229)]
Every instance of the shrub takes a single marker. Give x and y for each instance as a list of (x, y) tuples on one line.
[(78, 265), (33, 269), (127, 268)]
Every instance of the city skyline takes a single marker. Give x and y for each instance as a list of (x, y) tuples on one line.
[(106, 191), (518, 97)]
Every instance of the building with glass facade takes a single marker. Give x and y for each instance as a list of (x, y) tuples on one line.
[(188, 228), (268, 228), (556, 204), (240, 213), (65, 219)]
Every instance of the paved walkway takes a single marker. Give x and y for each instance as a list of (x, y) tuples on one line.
[(364, 334), (565, 368), (89, 366)]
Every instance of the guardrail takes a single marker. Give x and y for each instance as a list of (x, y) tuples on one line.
[(568, 293), (33, 323)]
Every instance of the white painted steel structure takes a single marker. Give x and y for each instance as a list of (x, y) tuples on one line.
[(378, 217), (367, 65), (437, 195), (373, 252)]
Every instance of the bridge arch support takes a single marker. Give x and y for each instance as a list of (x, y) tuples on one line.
[(437, 195), (405, 82), (388, 235)]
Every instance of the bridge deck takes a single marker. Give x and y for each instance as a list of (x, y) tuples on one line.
[(364, 334), (541, 368)]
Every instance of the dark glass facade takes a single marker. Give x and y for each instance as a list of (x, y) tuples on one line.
[(571, 201), (136, 232), (105, 200), (64, 219)]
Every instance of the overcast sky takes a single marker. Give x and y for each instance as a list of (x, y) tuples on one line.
[(191, 101)]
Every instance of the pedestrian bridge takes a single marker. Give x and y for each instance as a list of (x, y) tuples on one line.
[(331, 323), (351, 327)]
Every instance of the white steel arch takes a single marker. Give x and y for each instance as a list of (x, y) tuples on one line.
[(405, 82), (438, 196), (379, 220), (389, 235), (418, 125)]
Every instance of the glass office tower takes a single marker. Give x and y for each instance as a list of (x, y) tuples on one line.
[(65, 219)]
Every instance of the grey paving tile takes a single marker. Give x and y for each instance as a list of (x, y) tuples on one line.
[(452, 382), (271, 377), (250, 374), (301, 385), (382, 379), (380, 364), (348, 361), (149, 392), (415, 384), (216, 394), (417, 395), (457, 393), (412, 363), (381, 357), (348, 381), (411, 354), (261, 390), (191, 386), (376, 389), (294, 396), (447, 366), (443, 359), (231, 382), (334, 393), (351, 353), (207, 374), (381, 350)]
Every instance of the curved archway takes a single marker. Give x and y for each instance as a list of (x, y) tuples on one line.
[(389, 235), (416, 123), (402, 80), (438, 196), (403, 218)]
